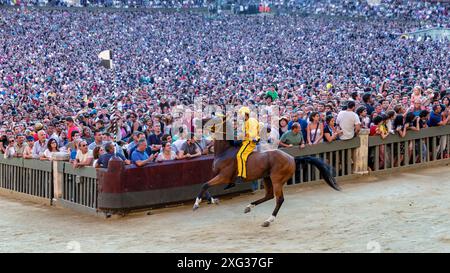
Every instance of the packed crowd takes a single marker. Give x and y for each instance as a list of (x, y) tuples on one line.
[(434, 11), (330, 77), (427, 11), (109, 3)]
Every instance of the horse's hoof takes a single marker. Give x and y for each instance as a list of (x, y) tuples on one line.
[(266, 224), (195, 207), (213, 201), (247, 210)]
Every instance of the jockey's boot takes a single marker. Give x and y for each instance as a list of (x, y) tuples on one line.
[(238, 180)]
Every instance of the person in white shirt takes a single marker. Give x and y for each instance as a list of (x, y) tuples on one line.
[(349, 122), (167, 152), (181, 139), (52, 147), (10, 150), (84, 156), (40, 145)]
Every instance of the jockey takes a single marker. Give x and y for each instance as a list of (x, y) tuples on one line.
[(251, 138)]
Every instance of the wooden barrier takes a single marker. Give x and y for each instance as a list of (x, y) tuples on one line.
[(339, 154), (27, 178), (129, 187), (424, 147)]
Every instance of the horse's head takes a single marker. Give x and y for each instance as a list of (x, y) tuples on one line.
[(222, 131)]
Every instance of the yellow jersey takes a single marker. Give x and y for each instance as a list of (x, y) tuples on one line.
[(251, 129)]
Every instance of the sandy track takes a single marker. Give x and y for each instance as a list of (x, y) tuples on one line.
[(405, 213)]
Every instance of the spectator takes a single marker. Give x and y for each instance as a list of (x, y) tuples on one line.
[(390, 116), (412, 122), (71, 127), (349, 122), (139, 157), (368, 102), (379, 128), (84, 156), (168, 138), (97, 152), (87, 135), (3, 140), (154, 140), (424, 117), (436, 119), (148, 127), (204, 143), (28, 151), (189, 149), (180, 140), (330, 132), (139, 136), (298, 117), (104, 159), (98, 140), (315, 129), (52, 147), (39, 146), (108, 138), (9, 150), (76, 137), (283, 125), (400, 127), (417, 107), (363, 118), (292, 137), (74, 150), (20, 146), (63, 141), (134, 123), (167, 152), (135, 137)]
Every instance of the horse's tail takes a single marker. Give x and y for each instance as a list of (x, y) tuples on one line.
[(325, 170)]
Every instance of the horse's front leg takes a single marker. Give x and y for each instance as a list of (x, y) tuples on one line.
[(217, 180)]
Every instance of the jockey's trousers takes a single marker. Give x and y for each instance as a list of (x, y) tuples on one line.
[(246, 149)]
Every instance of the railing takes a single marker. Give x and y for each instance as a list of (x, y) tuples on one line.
[(27, 176), (339, 154), (416, 148), (77, 187)]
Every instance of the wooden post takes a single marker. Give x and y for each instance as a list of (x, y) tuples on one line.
[(361, 155), (58, 176)]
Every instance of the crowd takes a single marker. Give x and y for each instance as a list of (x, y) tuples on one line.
[(109, 3), (434, 11), (330, 78)]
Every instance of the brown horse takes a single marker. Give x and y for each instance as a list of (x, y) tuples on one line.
[(275, 167)]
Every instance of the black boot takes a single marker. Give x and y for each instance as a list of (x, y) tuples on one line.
[(238, 180), (229, 186)]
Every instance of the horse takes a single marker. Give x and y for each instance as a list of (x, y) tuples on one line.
[(275, 167)]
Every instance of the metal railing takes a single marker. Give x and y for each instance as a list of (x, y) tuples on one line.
[(78, 187), (338, 154), (416, 148), (27, 176)]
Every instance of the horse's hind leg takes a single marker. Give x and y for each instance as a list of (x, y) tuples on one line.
[(278, 191), (269, 195), (217, 180)]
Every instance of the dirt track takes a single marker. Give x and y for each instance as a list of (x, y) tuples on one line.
[(405, 213)]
